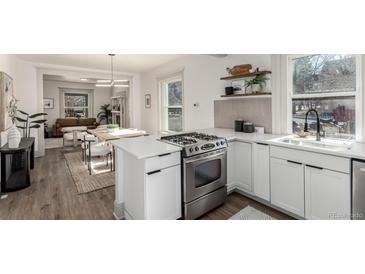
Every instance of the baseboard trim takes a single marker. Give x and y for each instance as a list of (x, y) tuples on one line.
[(119, 211)]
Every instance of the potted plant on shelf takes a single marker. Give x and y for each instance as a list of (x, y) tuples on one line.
[(256, 84), (13, 133), (112, 127)]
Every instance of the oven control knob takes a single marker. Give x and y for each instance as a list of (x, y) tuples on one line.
[(217, 143), (222, 143), (191, 149), (196, 148)]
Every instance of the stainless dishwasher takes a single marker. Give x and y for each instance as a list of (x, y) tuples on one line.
[(358, 189)]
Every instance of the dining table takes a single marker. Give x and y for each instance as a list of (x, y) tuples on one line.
[(107, 135)]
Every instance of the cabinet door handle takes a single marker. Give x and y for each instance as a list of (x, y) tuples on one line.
[(161, 155), (316, 167), (293, 162), (153, 172), (263, 144), (362, 169)]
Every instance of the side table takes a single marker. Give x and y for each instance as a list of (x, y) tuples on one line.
[(16, 164)]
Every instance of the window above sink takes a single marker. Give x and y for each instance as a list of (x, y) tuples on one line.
[(330, 84)]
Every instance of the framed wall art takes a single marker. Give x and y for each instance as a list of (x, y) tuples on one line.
[(6, 89), (48, 103)]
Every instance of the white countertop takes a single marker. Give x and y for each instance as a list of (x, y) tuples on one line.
[(232, 135), (144, 146), (149, 146), (357, 149)]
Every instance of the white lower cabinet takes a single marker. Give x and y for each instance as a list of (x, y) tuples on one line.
[(261, 171), (239, 166), (163, 194), (287, 185), (230, 166), (327, 194)]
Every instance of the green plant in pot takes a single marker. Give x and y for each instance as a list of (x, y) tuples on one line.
[(105, 114), (256, 84), (112, 127), (29, 121)]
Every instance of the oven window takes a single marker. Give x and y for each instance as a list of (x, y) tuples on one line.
[(207, 172)]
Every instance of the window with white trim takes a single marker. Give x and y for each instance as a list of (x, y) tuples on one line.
[(76, 104), (171, 104), (330, 84)]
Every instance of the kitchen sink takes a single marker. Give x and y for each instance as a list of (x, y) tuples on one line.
[(327, 144)]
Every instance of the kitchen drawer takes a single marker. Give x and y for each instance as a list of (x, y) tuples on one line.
[(162, 161), (311, 158)]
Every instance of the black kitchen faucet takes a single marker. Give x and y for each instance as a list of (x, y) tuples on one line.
[(318, 136)]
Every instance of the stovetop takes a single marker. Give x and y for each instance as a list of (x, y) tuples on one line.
[(194, 143)]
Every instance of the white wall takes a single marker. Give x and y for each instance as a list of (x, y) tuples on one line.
[(25, 84), (202, 85), (51, 90)]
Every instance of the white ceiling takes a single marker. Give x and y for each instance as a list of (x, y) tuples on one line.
[(133, 63)]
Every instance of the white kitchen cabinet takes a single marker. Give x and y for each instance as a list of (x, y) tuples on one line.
[(230, 166), (163, 194), (327, 194), (151, 187), (287, 185), (239, 166), (261, 171)]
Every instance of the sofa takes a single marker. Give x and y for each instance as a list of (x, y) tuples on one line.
[(90, 123)]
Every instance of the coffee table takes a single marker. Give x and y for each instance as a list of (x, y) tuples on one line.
[(74, 131)]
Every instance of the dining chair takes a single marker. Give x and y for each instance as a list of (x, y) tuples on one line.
[(91, 147)]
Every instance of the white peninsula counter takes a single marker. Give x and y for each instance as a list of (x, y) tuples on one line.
[(148, 179)]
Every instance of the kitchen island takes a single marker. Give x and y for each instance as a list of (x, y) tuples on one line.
[(148, 179)]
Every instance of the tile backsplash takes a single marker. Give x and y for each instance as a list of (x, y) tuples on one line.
[(253, 110)]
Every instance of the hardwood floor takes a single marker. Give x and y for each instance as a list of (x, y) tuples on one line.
[(235, 202), (53, 196)]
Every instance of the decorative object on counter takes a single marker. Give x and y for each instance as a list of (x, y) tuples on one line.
[(147, 101), (248, 127), (238, 125), (105, 114), (112, 127), (260, 130), (6, 92), (27, 124), (239, 69), (302, 133), (229, 90), (256, 84), (48, 103), (13, 133)]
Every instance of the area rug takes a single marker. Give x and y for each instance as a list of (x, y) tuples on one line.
[(53, 143), (250, 213), (100, 178)]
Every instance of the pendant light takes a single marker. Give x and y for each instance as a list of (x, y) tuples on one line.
[(111, 82)]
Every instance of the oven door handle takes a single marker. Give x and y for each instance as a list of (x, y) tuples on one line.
[(217, 155)]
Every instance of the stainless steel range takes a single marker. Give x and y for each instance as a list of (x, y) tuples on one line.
[(204, 171)]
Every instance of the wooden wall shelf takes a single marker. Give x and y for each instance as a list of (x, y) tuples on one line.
[(266, 94), (263, 72)]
